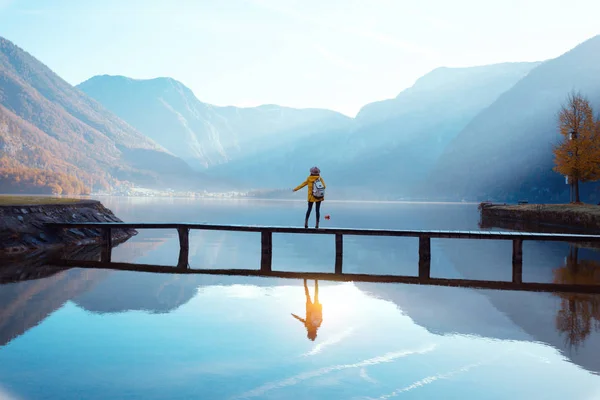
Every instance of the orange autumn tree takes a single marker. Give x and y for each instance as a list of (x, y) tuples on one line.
[(578, 155)]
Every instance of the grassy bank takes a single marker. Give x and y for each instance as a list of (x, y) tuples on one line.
[(9, 200)]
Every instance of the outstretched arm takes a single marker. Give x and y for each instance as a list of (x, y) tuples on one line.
[(298, 318), (301, 185)]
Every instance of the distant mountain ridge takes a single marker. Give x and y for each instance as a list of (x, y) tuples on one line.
[(505, 152), (48, 125), (485, 133), (203, 135), (399, 140), (392, 144), (481, 84), (457, 133)]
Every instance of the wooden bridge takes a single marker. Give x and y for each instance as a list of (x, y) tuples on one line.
[(424, 268)]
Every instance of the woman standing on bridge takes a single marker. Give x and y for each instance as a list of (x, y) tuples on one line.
[(316, 193)]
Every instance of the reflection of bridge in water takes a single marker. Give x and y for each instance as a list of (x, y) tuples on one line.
[(567, 324), (424, 268), (338, 277)]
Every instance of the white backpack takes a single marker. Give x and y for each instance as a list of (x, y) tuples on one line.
[(318, 190)]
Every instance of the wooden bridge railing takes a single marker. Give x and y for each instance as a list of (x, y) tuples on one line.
[(267, 232), (336, 277)]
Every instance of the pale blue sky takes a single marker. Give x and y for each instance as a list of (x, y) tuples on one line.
[(336, 54)]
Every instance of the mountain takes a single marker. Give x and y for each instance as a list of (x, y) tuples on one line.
[(469, 88), (505, 152), (204, 135), (393, 143), (397, 141), (48, 126)]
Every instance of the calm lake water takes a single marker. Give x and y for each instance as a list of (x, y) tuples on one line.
[(99, 334)]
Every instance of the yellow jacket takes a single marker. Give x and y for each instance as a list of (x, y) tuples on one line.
[(309, 181)]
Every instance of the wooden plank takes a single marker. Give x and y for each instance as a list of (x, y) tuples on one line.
[(266, 257), (324, 276), (339, 253), (424, 257), (343, 231)]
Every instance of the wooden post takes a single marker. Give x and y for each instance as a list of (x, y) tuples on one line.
[(184, 247), (106, 254), (183, 260), (184, 237), (266, 254), (339, 252), (107, 233), (424, 257), (517, 261)]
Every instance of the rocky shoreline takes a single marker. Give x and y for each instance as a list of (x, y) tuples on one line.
[(23, 229)]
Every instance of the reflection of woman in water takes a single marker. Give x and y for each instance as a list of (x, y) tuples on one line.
[(314, 312)]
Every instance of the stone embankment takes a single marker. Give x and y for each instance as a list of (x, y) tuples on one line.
[(23, 229), (584, 216)]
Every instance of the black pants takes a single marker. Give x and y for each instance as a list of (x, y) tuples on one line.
[(317, 210)]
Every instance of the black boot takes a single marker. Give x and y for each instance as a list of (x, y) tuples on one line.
[(306, 223), (317, 225)]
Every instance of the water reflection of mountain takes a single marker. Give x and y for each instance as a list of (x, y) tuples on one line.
[(569, 322), (26, 304), (555, 319), (38, 290), (31, 290), (124, 291), (444, 310)]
